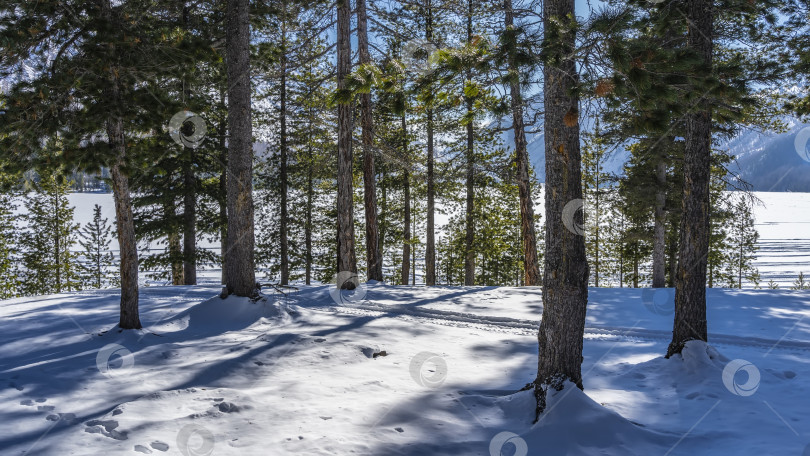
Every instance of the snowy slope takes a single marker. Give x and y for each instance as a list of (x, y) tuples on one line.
[(307, 375), (772, 162)]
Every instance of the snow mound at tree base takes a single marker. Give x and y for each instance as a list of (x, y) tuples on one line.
[(574, 424), (229, 314)]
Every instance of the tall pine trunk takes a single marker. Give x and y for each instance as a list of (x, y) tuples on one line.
[(597, 228), (241, 273), (565, 275), (125, 223), (531, 267), (57, 239), (283, 225), (125, 227), (189, 224), (373, 257), (222, 130), (347, 262), (660, 230), (406, 223), (690, 280), (469, 221), (310, 191), (175, 251), (430, 235), (308, 218)]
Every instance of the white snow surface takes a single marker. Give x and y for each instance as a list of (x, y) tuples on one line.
[(397, 371)]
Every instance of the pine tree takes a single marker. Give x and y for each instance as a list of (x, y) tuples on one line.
[(565, 275), (595, 183), (241, 274), (9, 283), (96, 237), (518, 55), (49, 263), (800, 283), (346, 257), (103, 91), (743, 237)]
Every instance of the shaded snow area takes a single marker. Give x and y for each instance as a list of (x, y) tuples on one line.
[(391, 370)]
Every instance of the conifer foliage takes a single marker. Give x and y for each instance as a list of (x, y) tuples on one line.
[(48, 260), (96, 237)]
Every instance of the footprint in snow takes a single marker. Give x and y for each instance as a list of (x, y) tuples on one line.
[(142, 449), (228, 407), (105, 428), (160, 446), (68, 418)]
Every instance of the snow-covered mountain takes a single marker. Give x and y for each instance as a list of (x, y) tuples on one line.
[(772, 162), (768, 161), (537, 156)]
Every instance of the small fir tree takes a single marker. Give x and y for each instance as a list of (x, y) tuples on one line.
[(96, 237), (48, 262)]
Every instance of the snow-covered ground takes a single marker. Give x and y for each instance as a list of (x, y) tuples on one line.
[(397, 371), (783, 223)]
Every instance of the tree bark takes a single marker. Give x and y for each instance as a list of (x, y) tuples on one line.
[(284, 216), (565, 275), (430, 241), (223, 210), (531, 267), (406, 223), (690, 281), (308, 218), (345, 212), (430, 235), (125, 227), (469, 221), (222, 129), (175, 251), (310, 190), (241, 271), (597, 228), (57, 253), (373, 257), (660, 231), (189, 224)]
